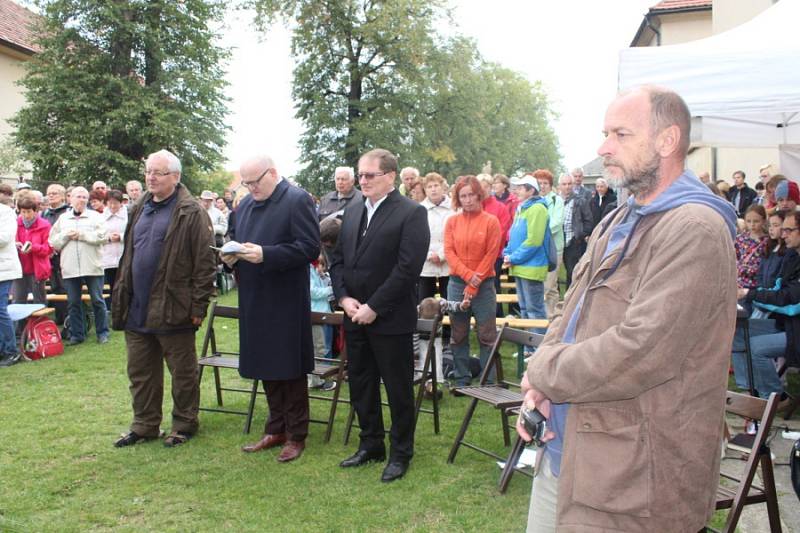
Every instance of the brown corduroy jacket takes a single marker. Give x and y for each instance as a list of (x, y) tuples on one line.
[(646, 377)]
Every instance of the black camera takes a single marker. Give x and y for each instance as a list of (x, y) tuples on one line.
[(534, 423)]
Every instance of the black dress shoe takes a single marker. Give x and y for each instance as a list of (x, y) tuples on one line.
[(130, 439), (394, 470), (362, 457)]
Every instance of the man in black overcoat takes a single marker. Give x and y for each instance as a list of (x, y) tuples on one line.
[(277, 225), (375, 268)]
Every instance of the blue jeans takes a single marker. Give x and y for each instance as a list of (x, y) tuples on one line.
[(327, 331), (767, 343), (531, 301), (482, 307), (75, 307), (8, 341)]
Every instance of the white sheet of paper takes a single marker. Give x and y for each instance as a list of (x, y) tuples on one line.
[(526, 459)]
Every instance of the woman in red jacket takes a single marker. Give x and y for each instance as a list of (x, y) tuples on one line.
[(34, 252)]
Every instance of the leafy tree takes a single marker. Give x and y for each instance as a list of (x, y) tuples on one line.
[(357, 64), (117, 80), (12, 162), (215, 180), (377, 73)]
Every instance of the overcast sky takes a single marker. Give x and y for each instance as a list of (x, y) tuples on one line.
[(571, 46)]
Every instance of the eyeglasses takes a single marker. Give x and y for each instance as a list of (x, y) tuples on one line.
[(370, 175), (159, 173), (251, 184), (789, 230)]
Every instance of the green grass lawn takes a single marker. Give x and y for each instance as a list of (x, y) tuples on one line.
[(60, 472)]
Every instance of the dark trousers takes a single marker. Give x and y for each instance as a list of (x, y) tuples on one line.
[(109, 277), (146, 356), (572, 254), (57, 287), (372, 357), (288, 408), (428, 287)]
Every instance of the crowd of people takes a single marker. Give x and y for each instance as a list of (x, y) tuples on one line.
[(651, 272), (66, 239)]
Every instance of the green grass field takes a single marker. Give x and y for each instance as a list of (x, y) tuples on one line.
[(60, 472)]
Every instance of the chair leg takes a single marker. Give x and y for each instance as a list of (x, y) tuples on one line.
[(418, 401), (771, 493), (463, 430), (218, 386), (511, 463), (332, 415), (435, 390), (506, 433), (252, 406), (348, 426)]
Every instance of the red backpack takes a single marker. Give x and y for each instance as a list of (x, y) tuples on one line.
[(41, 339)]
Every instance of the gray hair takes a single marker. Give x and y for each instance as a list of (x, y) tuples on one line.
[(347, 170), (173, 163), (601, 181), (577, 170), (562, 176), (413, 170)]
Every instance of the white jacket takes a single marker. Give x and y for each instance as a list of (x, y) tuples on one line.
[(80, 257), (111, 252), (218, 220), (437, 216), (9, 257)]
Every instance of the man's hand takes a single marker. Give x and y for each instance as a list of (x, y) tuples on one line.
[(434, 258), (534, 399), (475, 281), (73, 234), (465, 303), (253, 253), (114, 237), (197, 321), (350, 306), (229, 259), (506, 261), (365, 315), (741, 293)]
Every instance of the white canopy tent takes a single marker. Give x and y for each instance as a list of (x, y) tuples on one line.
[(742, 86)]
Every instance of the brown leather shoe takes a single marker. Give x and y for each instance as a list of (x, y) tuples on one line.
[(291, 451), (267, 441)]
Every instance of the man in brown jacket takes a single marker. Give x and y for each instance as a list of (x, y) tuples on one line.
[(164, 282), (632, 376)]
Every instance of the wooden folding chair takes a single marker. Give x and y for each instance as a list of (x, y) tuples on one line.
[(513, 458), (217, 359), (423, 373), (329, 368), (745, 492), (497, 395)]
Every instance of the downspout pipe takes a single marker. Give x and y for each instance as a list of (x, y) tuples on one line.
[(655, 30)]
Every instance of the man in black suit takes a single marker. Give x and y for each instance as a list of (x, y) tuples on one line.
[(375, 267)]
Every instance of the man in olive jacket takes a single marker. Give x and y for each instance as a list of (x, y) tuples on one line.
[(632, 377), (164, 282)]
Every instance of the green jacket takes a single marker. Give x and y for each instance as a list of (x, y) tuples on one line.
[(555, 208)]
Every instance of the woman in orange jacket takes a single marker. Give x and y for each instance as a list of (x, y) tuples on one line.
[(472, 240)]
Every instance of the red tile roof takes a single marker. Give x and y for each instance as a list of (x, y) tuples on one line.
[(15, 27), (681, 4)]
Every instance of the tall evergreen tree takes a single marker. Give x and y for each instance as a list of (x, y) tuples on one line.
[(117, 80)]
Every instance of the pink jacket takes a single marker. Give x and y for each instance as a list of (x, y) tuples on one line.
[(37, 261)]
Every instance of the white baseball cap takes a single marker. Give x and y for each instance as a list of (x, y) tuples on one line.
[(526, 180)]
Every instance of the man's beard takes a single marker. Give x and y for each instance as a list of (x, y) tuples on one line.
[(640, 181)]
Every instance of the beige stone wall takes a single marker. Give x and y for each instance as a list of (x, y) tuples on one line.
[(684, 27), (730, 159), (731, 13), (12, 97)]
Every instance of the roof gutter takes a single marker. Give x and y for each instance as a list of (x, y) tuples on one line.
[(17, 48)]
